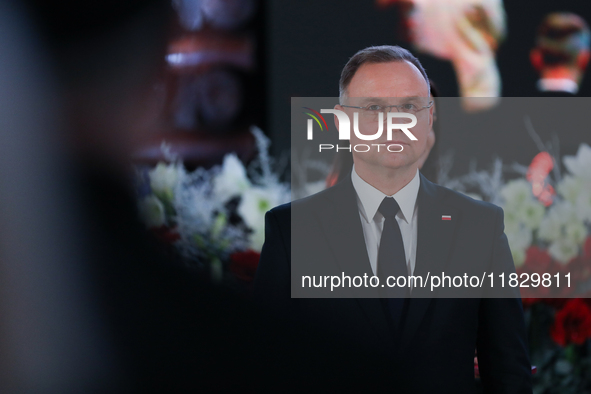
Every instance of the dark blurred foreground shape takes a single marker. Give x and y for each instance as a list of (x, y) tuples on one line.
[(50, 337), (90, 303)]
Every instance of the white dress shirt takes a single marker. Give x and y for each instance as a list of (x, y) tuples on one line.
[(372, 221)]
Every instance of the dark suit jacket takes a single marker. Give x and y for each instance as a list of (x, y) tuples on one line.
[(435, 350)]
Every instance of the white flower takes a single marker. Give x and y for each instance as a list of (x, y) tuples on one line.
[(583, 205), (551, 226), (520, 206), (576, 231), (531, 214), (219, 223), (255, 202), (195, 207), (570, 188), (519, 241), (563, 225), (580, 164), (516, 192), (163, 180), (563, 250), (152, 211), (512, 223), (232, 179), (518, 257)]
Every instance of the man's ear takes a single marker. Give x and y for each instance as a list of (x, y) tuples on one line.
[(336, 119), (583, 59), (535, 57), (432, 114)]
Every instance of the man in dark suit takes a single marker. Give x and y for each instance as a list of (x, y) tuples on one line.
[(386, 220)]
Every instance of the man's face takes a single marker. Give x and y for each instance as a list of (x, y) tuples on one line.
[(393, 83)]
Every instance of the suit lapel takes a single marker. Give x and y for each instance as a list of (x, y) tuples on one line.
[(435, 238), (342, 213)]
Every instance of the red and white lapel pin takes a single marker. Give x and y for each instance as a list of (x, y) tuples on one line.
[(445, 217)]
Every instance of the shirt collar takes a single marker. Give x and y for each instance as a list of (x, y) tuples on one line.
[(371, 198), (558, 84)]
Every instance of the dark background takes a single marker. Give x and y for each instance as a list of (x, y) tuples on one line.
[(309, 42)]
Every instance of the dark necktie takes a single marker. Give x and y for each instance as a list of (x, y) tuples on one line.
[(392, 262)]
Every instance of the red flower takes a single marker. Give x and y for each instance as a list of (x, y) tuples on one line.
[(572, 323), (244, 264), (538, 260), (537, 173), (166, 234)]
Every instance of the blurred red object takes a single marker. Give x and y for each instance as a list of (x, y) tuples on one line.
[(244, 264), (332, 179), (537, 261), (166, 234), (537, 173), (572, 323)]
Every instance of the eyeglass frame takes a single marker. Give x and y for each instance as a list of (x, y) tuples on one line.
[(390, 106)]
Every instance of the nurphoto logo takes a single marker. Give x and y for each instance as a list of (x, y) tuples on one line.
[(345, 129)]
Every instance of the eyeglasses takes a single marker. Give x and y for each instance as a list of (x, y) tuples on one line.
[(372, 111)]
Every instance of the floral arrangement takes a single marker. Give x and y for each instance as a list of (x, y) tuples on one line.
[(547, 216), (214, 217), (548, 226), (548, 230)]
